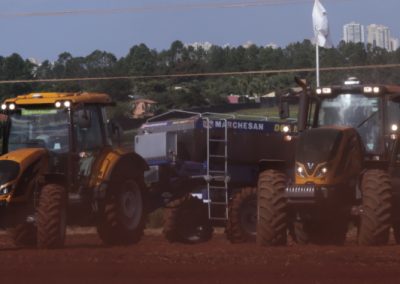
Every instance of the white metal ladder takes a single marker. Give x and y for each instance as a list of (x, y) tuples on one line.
[(217, 170)]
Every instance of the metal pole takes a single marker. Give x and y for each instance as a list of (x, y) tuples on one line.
[(317, 60)]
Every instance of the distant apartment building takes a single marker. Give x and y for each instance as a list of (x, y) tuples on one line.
[(248, 44), (353, 32), (394, 44), (272, 45), (379, 36), (197, 45)]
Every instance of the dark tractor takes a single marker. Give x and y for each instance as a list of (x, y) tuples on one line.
[(346, 164)]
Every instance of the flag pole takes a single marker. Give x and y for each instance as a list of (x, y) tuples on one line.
[(317, 60)]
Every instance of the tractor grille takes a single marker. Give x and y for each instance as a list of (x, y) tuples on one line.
[(300, 191)]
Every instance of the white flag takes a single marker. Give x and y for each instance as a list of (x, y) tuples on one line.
[(321, 25)]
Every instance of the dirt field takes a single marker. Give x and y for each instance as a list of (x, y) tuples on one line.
[(153, 260)]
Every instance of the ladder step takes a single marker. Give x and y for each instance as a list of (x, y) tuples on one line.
[(218, 203), (218, 172), (218, 156), (218, 218), (218, 187), (219, 179), (218, 140)]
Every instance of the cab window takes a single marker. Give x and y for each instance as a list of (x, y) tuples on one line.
[(88, 129)]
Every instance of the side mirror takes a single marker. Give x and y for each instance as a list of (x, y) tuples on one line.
[(284, 110), (301, 82)]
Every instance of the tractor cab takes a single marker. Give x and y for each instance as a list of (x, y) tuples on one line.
[(72, 128), (372, 110)]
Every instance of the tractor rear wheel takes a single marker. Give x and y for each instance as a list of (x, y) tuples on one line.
[(242, 211), (186, 221), (375, 217), (51, 217), (272, 209), (122, 218)]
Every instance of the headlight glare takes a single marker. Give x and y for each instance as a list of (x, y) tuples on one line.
[(67, 104)]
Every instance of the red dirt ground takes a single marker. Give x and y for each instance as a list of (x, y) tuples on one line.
[(154, 260)]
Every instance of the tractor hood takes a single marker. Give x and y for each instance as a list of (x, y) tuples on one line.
[(318, 145), (18, 169), (328, 156)]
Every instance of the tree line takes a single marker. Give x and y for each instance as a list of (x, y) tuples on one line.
[(184, 92)]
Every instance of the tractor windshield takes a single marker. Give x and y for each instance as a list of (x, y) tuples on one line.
[(358, 111), (42, 128)]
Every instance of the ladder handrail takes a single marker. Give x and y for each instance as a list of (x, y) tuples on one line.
[(173, 111)]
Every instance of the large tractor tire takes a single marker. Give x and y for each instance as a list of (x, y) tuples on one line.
[(24, 235), (51, 217), (375, 217), (272, 209), (123, 215), (242, 211), (186, 221)]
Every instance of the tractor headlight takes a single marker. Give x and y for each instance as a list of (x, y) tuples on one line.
[(3, 107), (371, 90), (300, 171), (324, 91), (285, 129), (11, 106), (59, 104), (67, 104), (322, 172), (5, 190), (368, 90)]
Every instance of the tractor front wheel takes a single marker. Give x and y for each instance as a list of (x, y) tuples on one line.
[(186, 221), (51, 217), (272, 211), (375, 217), (122, 218), (242, 223)]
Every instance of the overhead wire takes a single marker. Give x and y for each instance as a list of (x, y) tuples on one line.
[(155, 8), (211, 74)]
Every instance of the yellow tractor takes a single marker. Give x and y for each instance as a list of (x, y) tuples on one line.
[(59, 166)]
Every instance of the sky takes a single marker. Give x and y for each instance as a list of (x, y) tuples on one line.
[(129, 22)]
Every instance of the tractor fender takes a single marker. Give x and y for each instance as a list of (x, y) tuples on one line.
[(20, 170), (118, 165), (268, 164)]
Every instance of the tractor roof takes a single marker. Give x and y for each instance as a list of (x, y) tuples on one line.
[(361, 88), (51, 98)]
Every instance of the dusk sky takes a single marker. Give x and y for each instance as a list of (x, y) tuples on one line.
[(150, 22)]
